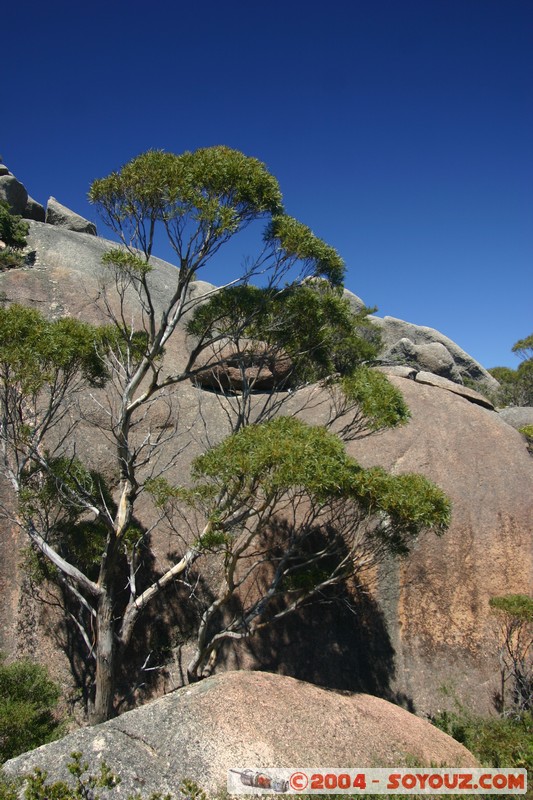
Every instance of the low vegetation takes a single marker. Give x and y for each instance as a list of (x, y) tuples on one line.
[(517, 384), (13, 232), (28, 708), (496, 742)]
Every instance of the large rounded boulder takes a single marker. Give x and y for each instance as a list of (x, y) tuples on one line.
[(425, 622), (247, 719)]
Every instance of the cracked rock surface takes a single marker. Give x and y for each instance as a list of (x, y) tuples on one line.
[(247, 719)]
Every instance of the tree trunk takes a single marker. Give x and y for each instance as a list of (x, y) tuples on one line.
[(102, 707)]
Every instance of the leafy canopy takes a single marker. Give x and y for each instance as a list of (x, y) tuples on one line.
[(524, 347), (380, 403), (335, 346), (287, 454), (278, 455), (13, 232), (216, 188), (337, 341), (298, 241), (202, 198), (33, 350)]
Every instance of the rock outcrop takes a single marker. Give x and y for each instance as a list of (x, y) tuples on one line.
[(436, 602), (247, 719), (228, 365), (414, 345), (431, 379), (428, 622), (517, 416), (63, 217), (13, 193), (432, 357), (356, 304), (34, 210), (405, 344)]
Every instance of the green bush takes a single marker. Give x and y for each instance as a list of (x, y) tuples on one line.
[(13, 229), (496, 742), (516, 385), (13, 232), (10, 259), (28, 700)]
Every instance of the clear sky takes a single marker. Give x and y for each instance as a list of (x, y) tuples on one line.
[(401, 131)]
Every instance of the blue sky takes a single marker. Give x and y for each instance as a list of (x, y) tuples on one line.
[(401, 131)]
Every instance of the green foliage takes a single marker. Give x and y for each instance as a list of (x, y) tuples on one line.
[(299, 242), (201, 199), (410, 502), (524, 347), (126, 263), (519, 606), (10, 259), (503, 374), (380, 402), (162, 492), (336, 343), (28, 699), (233, 312), (192, 791), (212, 540), (33, 350), (335, 346), (527, 431), (224, 186), (496, 742), (277, 455), (287, 454), (517, 384), (84, 786), (140, 189), (516, 651), (216, 188), (13, 230)]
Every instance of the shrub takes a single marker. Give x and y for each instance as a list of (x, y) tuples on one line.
[(496, 742), (13, 229), (28, 699), (10, 259)]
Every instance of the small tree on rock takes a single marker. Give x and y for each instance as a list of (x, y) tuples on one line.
[(517, 384), (86, 527), (515, 614)]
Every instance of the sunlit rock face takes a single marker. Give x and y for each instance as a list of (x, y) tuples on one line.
[(425, 623), (242, 718)]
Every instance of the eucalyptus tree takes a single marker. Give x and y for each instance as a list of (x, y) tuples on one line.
[(335, 519), (517, 384), (85, 527)]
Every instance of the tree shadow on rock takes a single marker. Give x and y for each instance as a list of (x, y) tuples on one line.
[(342, 644), (339, 641)]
